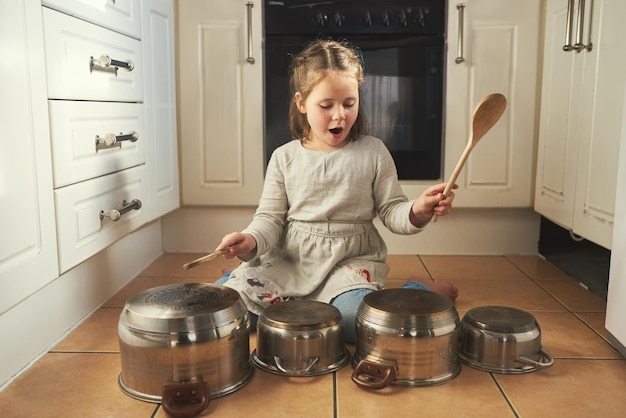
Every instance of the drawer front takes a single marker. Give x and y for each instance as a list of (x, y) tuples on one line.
[(77, 66), (122, 16), (91, 139), (82, 230)]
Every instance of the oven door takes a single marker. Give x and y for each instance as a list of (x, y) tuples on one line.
[(402, 97)]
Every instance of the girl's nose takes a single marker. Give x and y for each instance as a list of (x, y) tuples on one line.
[(340, 113)]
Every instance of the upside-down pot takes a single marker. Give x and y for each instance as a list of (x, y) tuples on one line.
[(182, 345), (405, 337), (503, 340), (300, 338)]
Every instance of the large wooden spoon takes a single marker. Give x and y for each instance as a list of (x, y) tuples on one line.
[(486, 113)]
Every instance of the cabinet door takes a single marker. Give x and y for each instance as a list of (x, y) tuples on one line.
[(557, 151), (28, 252), (500, 43), (160, 106), (601, 119), (220, 98)]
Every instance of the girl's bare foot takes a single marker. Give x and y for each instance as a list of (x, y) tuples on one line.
[(443, 288)]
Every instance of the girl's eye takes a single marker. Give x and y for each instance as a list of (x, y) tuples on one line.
[(348, 105), (325, 106)]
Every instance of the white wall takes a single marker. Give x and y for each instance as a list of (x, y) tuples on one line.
[(465, 231)]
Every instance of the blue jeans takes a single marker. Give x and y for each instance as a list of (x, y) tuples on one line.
[(347, 303)]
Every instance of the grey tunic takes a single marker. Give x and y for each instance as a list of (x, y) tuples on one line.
[(313, 226)]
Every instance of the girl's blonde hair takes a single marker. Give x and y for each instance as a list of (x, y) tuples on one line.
[(318, 60)]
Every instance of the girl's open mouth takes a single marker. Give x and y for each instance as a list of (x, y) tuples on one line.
[(336, 131)]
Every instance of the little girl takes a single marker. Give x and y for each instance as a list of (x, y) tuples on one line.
[(312, 235)]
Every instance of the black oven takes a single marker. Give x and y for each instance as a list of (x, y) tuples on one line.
[(402, 43)]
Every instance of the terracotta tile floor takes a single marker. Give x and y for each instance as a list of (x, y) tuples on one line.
[(78, 377)]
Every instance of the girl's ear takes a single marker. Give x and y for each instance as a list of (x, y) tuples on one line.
[(300, 103)]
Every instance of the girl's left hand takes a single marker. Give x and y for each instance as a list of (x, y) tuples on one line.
[(432, 202)]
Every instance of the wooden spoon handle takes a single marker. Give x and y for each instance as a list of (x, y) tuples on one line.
[(455, 174), (203, 259)]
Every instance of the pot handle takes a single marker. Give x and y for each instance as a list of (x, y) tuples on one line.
[(308, 367), (545, 355), (185, 400), (375, 376)]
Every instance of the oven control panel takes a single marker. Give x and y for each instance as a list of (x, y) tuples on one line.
[(288, 17)]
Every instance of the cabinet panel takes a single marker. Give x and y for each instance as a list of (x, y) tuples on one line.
[(557, 151), (119, 15), (71, 44), (77, 127), (601, 114), (28, 252), (158, 48), (581, 118), (499, 54), (220, 102), (82, 228)]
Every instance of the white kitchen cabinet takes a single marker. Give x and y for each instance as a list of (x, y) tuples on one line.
[(79, 131), (74, 67), (493, 47), (122, 16), (220, 99), (158, 46), (93, 214), (28, 250), (581, 115)]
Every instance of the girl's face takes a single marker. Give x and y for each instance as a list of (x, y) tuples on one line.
[(331, 109)]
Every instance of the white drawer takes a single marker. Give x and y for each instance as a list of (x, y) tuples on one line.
[(122, 16), (81, 230), (90, 139), (71, 45)]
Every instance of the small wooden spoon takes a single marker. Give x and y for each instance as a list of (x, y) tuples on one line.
[(486, 113), (204, 259)]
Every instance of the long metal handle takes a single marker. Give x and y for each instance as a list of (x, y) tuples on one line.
[(580, 28), (116, 214), (459, 49), (111, 140), (104, 62), (569, 24), (249, 6)]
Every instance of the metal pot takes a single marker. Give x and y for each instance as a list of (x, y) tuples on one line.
[(300, 338), (182, 345), (501, 339), (405, 337)]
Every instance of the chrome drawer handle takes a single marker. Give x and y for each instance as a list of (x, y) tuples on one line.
[(580, 26), (569, 25), (105, 63), (116, 214), (459, 49), (111, 140), (249, 6)]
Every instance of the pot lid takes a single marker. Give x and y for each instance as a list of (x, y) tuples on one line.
[(301, 315), (182, 308), (408, 308), (501, 319)]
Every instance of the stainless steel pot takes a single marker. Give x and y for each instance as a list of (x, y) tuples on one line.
[(405, 337), (300, 338), (182, 345), (501, 339)]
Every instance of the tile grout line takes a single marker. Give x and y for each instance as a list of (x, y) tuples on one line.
[(335, 396), (506, 398)]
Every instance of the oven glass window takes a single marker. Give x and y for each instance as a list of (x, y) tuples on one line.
[(402, 99)]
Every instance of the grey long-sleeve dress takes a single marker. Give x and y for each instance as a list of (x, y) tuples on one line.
[(313, 226)]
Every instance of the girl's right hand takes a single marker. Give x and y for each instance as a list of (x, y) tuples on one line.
[(237, 243)]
